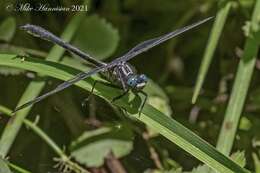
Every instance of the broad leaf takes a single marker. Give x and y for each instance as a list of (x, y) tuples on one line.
[(7, 29), (97, 37), (93, 147)]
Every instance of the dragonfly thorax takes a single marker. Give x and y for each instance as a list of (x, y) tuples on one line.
[(126, 76), (132, 80)]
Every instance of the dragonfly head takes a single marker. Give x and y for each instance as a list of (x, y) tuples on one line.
[(137, 82)]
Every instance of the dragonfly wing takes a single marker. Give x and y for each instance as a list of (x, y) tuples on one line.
[(146, 45), (78, 77), (38, 31), (142, 45)]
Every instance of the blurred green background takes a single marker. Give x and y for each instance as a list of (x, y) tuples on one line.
[(110, 28)]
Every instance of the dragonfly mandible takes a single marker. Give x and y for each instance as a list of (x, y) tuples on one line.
[(118, 71)]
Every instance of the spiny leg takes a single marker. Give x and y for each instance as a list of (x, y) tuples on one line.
[(106, 84), (119, 72), (91, 92), (143, 103), (120, 96), (101, 82)]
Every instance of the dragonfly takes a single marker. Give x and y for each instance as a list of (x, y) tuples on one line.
[(118, 72)]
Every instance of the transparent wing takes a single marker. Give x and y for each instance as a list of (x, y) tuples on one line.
[(62, 86), (142, 45), (148, 44), (38, 31)]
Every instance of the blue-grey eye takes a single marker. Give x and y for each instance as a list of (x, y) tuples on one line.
[(142, 78), (131, 81)]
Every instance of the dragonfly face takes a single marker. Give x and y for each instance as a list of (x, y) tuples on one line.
[(137, 82)]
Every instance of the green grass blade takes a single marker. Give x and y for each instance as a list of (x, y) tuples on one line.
[(17, 168), (211, 47), (34, 89), (33, 126), (241, 85), (164, 125), (3, 166)]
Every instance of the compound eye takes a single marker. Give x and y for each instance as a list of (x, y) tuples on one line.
[(131, 82), (143, 77)]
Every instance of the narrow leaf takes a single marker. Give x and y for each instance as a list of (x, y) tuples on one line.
[(216, 31), (153, 118), (3, 167), (240, 86)]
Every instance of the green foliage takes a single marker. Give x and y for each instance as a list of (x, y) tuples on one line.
[(201, 169), (7, 29), (245, 124), (92, 148), (257, 163), (239, 158), (153, 118), (96, 36), (3, 167), (10, 71), (162, 171), (246, 3), (241, 84), (211, 47), (76, 63)]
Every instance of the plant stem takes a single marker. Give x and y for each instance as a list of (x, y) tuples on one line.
[(240, 87), (17, 168), (48, 140), (211, 46)]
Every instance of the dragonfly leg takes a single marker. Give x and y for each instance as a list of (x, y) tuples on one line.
[(92, 90), (120, 96), (120, 74), (126, 90), (143, 103), (100, 82)]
